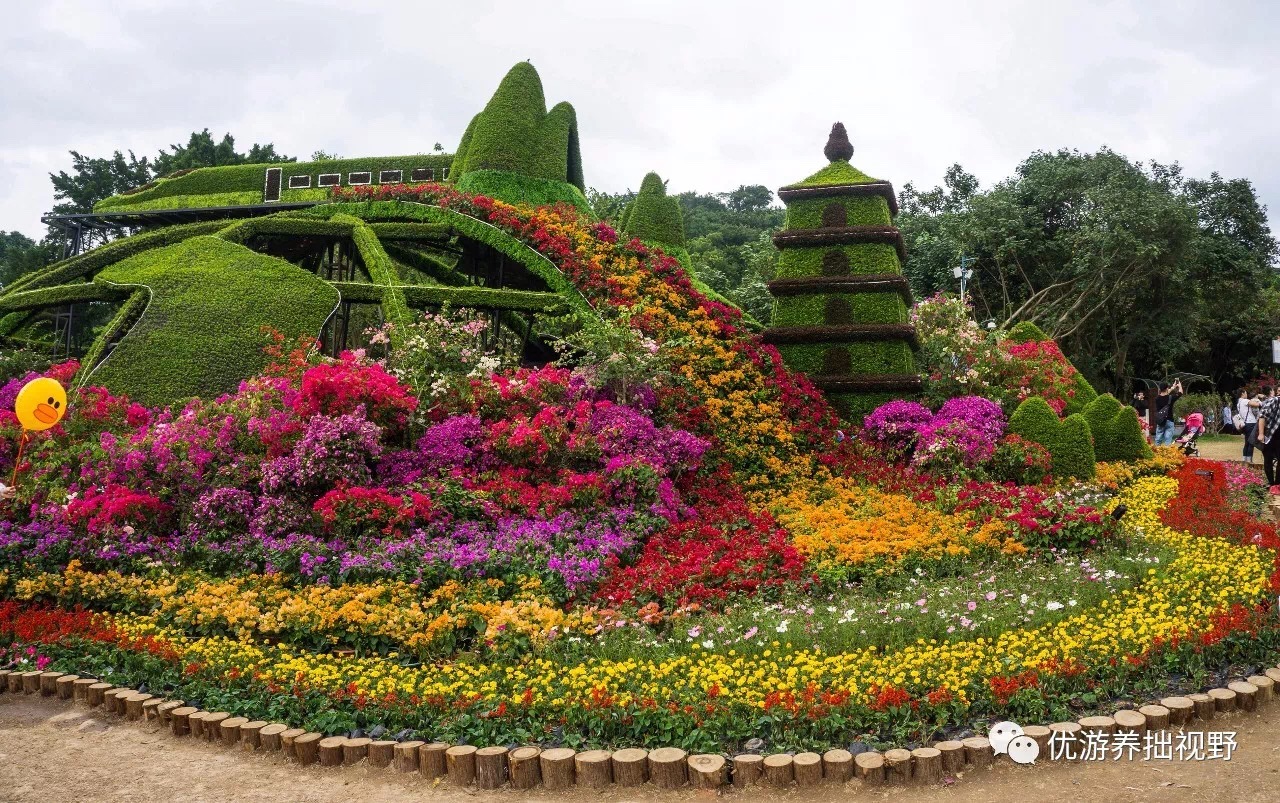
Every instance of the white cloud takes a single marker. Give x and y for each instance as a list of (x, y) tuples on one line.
[(711, 95)]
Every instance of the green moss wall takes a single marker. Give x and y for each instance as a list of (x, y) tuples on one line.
[(201, 332), (853, 260), (856, 212)]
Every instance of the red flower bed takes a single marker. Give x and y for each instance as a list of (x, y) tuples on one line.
[(1202, 507), (726, 549)]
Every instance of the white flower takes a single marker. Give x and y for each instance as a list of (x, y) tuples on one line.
[(782, 626), (1053, 606), (708, 644)]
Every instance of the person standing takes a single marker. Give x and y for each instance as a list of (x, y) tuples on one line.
[(1164, 411), (1268, 440), (1141, 406), (1247, 414)]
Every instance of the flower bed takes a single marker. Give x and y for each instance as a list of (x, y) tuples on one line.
[(668, 542)]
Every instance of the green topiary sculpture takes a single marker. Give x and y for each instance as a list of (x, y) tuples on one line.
[(654, 217), (1117, 435), (518, 151), (201, 331), (1085, 395), (656, 220), (841, 314), (1069, 441)]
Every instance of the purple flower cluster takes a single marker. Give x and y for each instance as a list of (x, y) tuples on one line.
[(896, 425), (568, 549), (961, 435), (974, 412), (627, 437), (332, 449)]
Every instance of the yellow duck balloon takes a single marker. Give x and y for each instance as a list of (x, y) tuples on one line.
[(40, 404)]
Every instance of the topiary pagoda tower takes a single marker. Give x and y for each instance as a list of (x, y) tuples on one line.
[(841, 299)]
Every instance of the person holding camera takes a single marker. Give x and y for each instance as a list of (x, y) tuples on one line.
[(1164, 411)]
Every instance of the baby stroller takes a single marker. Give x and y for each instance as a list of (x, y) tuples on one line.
[(1187, 442)]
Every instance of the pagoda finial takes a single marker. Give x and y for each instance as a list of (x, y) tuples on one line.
[(838, 147)]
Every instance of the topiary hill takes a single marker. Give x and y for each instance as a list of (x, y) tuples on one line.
[(1069, 440), (201, 331), (1117, 434), (517, 150), (654, 217)]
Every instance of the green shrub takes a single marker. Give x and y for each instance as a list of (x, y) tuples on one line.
[(1069, 441), (515, 133), (1205, 403), (653, 216), (1085, 395), (78, 267), (1026, 332), (201, 332), (1117, 435), (1075, 457)]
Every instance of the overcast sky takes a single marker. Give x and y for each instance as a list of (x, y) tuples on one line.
[(711, 95)]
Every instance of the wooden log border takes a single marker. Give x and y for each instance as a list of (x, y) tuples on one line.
[(527, 767)]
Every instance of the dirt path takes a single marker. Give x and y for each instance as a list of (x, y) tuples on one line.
[(51, 751)]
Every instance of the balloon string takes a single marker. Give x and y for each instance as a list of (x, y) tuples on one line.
[(17, 464)]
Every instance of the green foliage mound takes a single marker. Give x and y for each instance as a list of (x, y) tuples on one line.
[(1026, 332), (516, 134), (201, 332), (1116, 432), (1069, 440), (517, 189), (653, 216), (1085, 395)]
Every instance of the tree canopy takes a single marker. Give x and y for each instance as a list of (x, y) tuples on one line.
[(94, 178), (1136, 269)]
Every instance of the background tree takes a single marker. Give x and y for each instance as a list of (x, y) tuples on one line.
[(201, 151), (92, 179), (20, 254), (1135, 269)]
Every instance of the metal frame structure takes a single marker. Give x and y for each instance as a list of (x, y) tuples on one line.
[(337, 260)]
